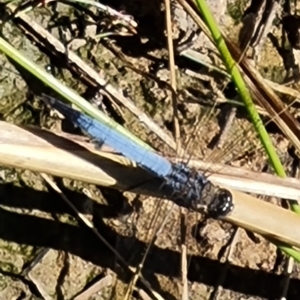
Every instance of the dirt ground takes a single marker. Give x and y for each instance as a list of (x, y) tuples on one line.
[(45, 253)]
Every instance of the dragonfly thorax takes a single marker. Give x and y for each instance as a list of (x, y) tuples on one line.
[(190, 189)]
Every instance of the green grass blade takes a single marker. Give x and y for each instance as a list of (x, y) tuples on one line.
[(246, 97), (64, 91), (241, 86)]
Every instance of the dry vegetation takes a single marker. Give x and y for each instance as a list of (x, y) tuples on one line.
[(45, 253)]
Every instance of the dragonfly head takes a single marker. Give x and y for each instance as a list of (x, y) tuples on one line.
[(221, 203), (213, 200)]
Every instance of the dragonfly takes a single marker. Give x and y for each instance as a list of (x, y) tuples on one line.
[(182, 185)]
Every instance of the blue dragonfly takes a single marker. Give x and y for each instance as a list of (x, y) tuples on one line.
[(183, 185)]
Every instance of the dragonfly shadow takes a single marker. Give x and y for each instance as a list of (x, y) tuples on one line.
[(79, 241), (36, 200)]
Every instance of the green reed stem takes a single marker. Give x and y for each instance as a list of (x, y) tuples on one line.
[(236, 77), (64, 91)]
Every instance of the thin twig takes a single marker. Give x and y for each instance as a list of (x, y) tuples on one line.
[(288, 269), (172, 70), (178, 145)]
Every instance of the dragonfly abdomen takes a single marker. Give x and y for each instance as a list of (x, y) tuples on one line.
[(106, 134)]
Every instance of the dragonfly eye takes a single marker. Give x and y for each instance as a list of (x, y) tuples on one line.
[(222, 204)]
